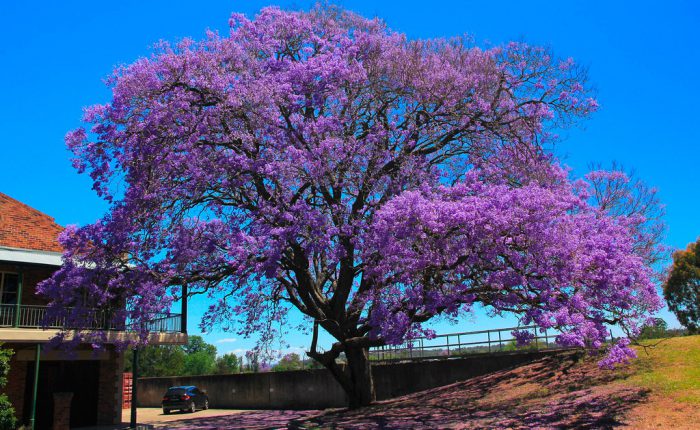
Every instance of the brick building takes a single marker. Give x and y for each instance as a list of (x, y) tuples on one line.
[(29, 253)]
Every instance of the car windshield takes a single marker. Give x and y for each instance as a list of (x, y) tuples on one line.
[(175, 391)]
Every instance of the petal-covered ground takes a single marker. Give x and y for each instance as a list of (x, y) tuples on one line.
[(556, 392), (660, 390)]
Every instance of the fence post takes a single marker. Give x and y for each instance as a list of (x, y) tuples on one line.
[(20, 281), (488, 335), (537, 343)]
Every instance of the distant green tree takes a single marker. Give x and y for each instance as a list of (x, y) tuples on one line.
[(253, 358), (159, 360), (198, 344), (512, 345), (291, 361), (682, 287), (7, 412), (313, 364), (200, 357), (227, 363), (196, 358), (656, 330), (200, 363)]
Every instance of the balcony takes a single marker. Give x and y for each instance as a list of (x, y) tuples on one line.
[(30, 323)]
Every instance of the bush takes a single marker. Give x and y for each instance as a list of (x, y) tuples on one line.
[(7, 412)]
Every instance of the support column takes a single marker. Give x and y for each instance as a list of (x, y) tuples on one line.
[(32, 417), (134, 392), (183, 315), (20, 279)]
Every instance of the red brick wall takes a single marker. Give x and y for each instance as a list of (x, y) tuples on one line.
[(24, 227), (109, 401), (31, 277)]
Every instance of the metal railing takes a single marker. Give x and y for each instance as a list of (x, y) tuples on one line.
[(7, 315), (32, 316), (164, 324), (454, 345)]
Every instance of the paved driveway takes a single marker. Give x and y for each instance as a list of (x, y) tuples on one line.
[(153, 418), (156, 416)]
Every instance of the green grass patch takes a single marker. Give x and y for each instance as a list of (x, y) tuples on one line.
[(672, 367)]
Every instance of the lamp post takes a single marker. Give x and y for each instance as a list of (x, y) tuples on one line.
[(134, 385), (183, 313)]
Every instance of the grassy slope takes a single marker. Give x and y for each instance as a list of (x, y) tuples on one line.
[(671, 368), (670, 371)]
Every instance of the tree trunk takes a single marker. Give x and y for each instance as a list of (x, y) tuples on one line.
[(355, 378), (361, 388)]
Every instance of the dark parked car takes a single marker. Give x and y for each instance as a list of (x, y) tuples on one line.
[(185, 398)]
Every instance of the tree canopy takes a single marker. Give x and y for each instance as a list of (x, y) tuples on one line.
[(228, 363), (682, 287), (320, 161)]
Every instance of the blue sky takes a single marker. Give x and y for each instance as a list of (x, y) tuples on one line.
[(643, 58)]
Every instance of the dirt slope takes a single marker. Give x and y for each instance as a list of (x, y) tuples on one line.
[(660, 390)]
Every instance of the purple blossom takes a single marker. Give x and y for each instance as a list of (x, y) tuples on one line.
[(523, 337), (619, 353)]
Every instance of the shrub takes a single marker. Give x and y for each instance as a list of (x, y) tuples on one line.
[(7, 412)]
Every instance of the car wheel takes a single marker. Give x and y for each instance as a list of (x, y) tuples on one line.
[(166, 411), (193, 409), (206, 404)]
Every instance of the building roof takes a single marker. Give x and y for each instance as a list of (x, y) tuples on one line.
[(26, 228)]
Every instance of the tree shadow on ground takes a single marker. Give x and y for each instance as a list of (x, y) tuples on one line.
[(254, 420), (565, 391)]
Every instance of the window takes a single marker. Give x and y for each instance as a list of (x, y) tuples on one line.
[(9, 283)]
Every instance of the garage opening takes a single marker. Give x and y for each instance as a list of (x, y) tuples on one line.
[(80, 377)]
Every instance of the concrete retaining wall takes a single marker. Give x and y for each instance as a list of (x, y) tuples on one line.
[(316, 389), (303, 389)]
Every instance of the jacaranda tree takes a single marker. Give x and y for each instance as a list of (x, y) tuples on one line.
[(321, 162)]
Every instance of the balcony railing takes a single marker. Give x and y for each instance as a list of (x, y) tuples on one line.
[(30, 316)]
